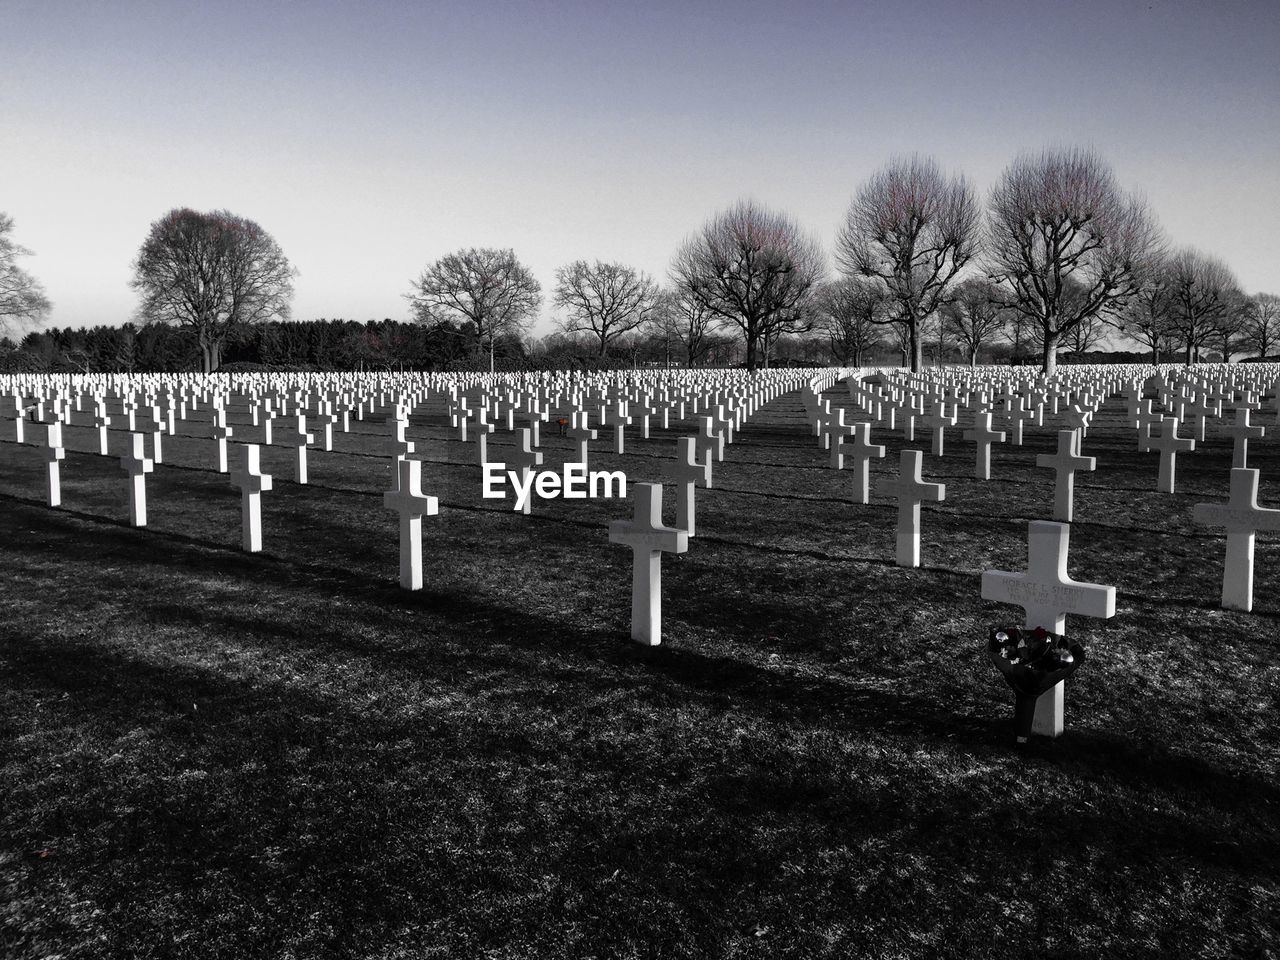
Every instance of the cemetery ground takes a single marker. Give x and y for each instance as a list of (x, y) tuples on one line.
[(208, 753)]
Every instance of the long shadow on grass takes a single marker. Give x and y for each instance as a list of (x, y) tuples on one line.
[(668, 676), (242, 718)]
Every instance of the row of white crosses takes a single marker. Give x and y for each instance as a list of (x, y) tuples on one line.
[(1046, 591), (649, 538), (713, 435)]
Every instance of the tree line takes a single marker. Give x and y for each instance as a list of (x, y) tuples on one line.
[(1057, 256)]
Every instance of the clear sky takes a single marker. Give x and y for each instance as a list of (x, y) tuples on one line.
[(371, 137)]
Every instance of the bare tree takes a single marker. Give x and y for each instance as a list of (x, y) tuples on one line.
[(851, 311), (976, 315), (914, 229), (1067, 242), (687, 319), (214, 272), (751, 268), (1023, 335), (1262, 322), (1203, 289), (605, 300), (488, 288), (1147, 316), (1230, 325), (1086, 334), (22, 299)]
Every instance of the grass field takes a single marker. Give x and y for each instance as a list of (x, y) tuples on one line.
[(213, 754)]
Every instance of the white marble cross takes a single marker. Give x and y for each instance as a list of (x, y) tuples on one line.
[(910, 489), (268, 424), (137, 465), (937, 421), (580, 432), (862, 450), (19, 412), (53, 453), (412, 505), (299, 442), (710, 439), (327, 420), (983, 436), (524, 458), (1169, 444), (1018, 415), (648, 540), (482, 428), (1047, 594), (824, 423), (687, 472), (221, 433), (1242, 518), (835, 430), (248, 476), (398, 447), (620, 420), (1065, 462), (1241, 432), (101, 421), (155, 427)]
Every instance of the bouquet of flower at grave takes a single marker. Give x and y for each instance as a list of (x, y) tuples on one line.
[(1032, 661)]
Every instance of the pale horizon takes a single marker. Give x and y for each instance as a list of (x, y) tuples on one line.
[(370, 141)]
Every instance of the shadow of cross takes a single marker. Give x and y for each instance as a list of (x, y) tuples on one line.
[(648, 540), (1242, 518), (1047, 595)]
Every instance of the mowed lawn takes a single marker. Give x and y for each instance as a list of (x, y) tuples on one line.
[(207, 753)]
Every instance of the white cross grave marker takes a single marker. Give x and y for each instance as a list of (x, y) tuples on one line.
[(53, 453), (1047, 594), (862, 450), (910, 489), (1065, 462), (412, 505), (648, 540), (1169, 444), (524, 458), (221, 433), (299, 442), (137, 465), (983, 436), (1241, 432), (688, 471), (248, 476), (1242, 518), (580, 433), (398, 446)]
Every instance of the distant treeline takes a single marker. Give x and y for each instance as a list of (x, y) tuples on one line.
[(395, 344), (316, 344)]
